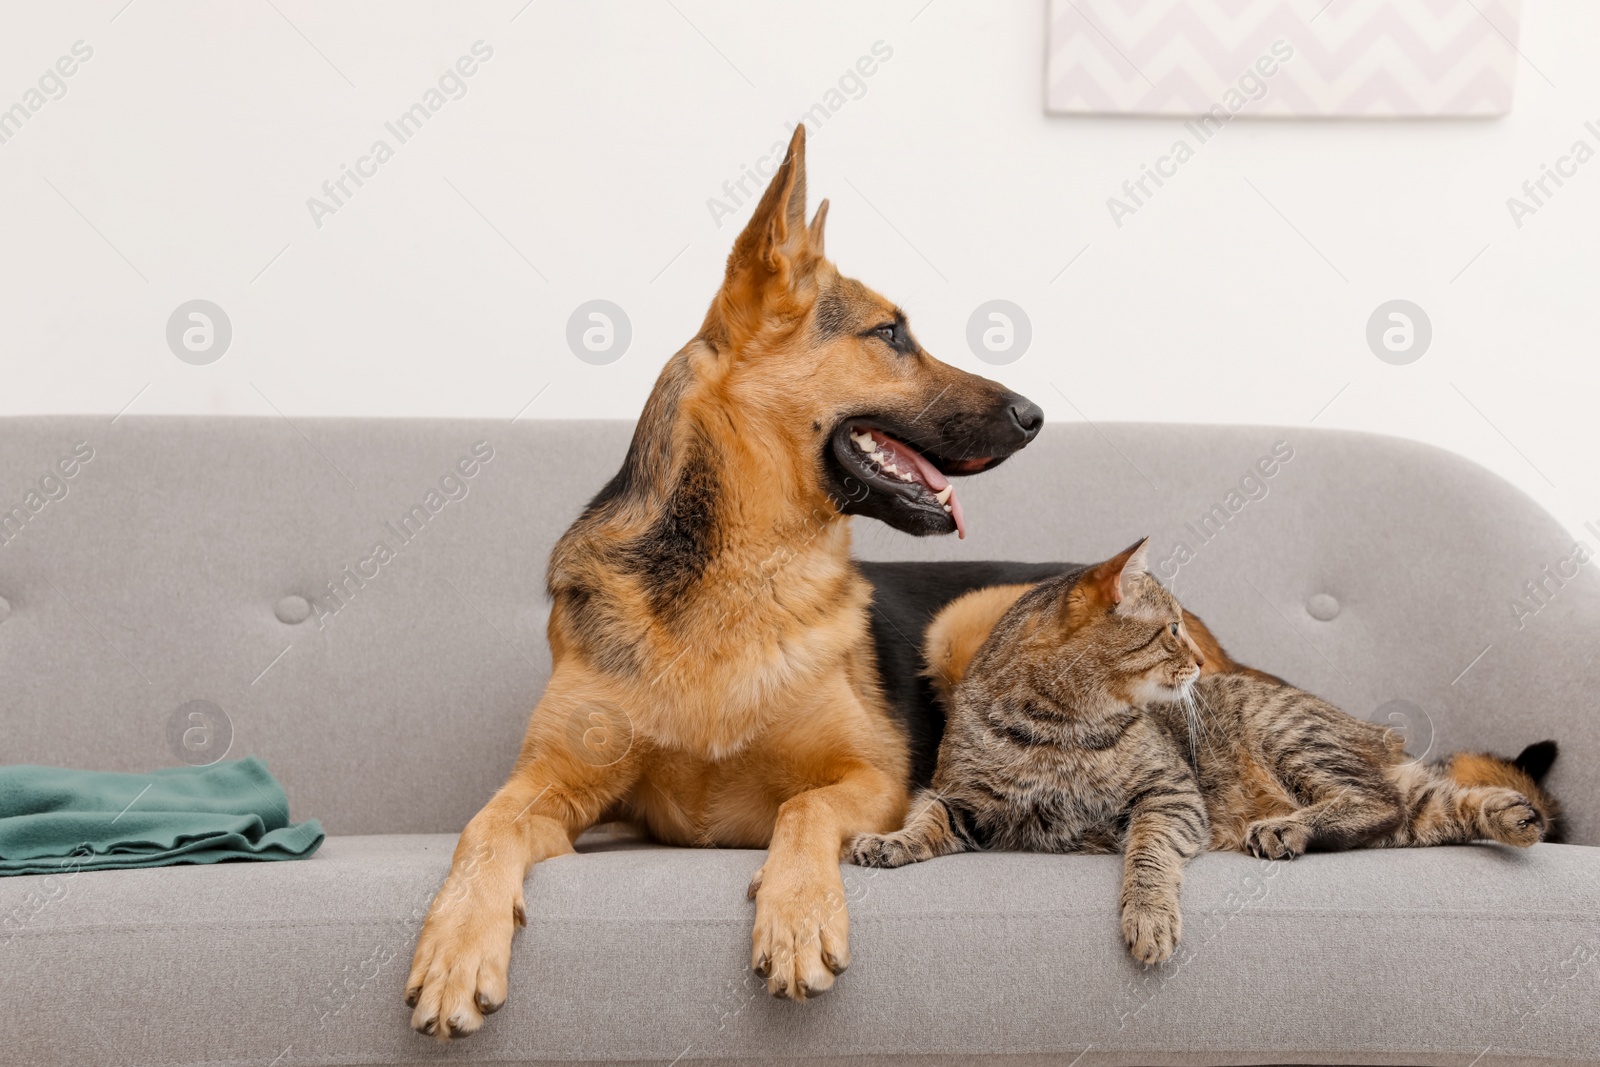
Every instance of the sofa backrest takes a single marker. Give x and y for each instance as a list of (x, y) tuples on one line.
[(159, 580)]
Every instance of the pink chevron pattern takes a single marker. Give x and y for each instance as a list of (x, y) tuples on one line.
[(1362, 58)]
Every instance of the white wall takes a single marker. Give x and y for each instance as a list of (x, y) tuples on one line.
[(580, 162)]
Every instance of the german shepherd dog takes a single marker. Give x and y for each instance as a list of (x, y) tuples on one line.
[(714, 676)]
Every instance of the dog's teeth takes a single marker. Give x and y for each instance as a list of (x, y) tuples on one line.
[(948, 508), (943, 495), (905, 476), (864, 442)]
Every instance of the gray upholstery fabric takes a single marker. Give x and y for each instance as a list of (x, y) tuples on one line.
[(160, 577), (639, 954), (154, 582)]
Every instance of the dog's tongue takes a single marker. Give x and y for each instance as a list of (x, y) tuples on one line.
[(927, 473)]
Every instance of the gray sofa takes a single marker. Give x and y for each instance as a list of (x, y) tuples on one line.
[(179, 565)]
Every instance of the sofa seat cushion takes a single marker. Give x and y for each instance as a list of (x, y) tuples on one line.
[(640, 953)]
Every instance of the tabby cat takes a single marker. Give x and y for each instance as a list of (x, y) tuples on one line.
[(1089, 719)]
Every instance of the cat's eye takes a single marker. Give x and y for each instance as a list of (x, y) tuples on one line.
[(1174, 629)]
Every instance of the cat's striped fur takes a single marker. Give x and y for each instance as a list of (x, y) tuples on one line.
[(1084, 722)]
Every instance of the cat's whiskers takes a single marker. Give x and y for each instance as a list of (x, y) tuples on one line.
[(1199, 730), (1191, 715), (1208, 713)]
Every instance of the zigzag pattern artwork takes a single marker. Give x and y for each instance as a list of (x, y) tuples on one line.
[(1363, 58)]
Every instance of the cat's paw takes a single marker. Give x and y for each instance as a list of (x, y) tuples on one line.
[(1152, 930), (1282, 838), (879, 850), (1512, 819)]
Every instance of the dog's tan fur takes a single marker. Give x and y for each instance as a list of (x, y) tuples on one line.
[(713, 676)]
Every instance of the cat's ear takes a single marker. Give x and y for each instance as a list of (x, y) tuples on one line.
[(1107, 580)]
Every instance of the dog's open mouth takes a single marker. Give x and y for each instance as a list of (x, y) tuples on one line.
[(888, 465)]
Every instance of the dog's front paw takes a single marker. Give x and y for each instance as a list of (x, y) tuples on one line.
[(801, 939), (1282, 838), (458, 974), (1152, 930), (1512, 819)]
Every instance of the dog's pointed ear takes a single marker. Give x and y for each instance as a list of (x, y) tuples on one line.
[(777, 228), (814, 231), (771, 258), (1537, 759)]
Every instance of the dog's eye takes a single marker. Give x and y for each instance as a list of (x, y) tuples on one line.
[(885, 333)]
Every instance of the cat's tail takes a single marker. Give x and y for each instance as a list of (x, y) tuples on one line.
[(935, 827)]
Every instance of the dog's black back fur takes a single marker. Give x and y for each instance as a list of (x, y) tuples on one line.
[(905, 598)]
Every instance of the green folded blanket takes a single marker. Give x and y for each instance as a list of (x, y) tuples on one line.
[(53, 820)]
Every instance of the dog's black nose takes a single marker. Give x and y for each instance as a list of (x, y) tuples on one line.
[(1028, 416)]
